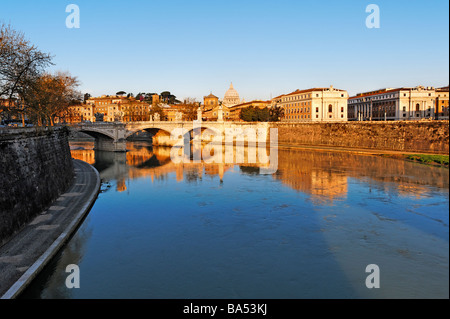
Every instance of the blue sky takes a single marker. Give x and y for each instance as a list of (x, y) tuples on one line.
[(266, 48)]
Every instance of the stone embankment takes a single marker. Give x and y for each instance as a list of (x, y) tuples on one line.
[(35, 169), (401, 136)]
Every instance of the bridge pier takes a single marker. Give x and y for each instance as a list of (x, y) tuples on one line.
[(110, 145)]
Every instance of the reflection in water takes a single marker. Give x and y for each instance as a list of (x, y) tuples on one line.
[(221, 230), (325, 174), (322, 175)]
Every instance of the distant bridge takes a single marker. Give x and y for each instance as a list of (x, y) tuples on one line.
[(112, 136)]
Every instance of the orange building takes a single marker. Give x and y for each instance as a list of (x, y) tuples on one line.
[(210, 101), (79, 113), (210, 107), (112, 108), (172, 112), (442, 103)]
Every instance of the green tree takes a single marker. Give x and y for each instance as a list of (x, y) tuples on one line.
[(255, 114), (86, 97), (276, 113), (247, 114), (168, 98)]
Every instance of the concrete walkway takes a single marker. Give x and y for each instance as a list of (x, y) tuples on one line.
[(22, 257)]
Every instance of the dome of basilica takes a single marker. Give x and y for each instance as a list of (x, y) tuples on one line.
[(231, 97)]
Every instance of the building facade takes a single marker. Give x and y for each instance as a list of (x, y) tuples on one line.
[(394, 104), (211, 101), (313, 105), (79, 113), (109, 109), (442, 103), (212, 106)]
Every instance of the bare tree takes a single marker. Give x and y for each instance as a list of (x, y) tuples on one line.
[(20, 63), (50, 96), (189, 109), (157, 108)]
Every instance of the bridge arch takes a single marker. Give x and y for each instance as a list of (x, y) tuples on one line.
[(161, 132), (105, 140), (97, 133), (151, 130)]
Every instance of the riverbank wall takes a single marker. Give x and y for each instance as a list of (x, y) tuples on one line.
[(406, 136), (35, 168)]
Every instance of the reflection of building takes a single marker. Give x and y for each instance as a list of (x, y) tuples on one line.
[(395, 104), (303, 171), (121, 185), (328, 184), (322, 175), (318, 104), (87, 156)]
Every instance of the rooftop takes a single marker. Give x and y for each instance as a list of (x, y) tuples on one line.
[(311, 90), (392, 90)]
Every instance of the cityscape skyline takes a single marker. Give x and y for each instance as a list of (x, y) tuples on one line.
[(195, 48)]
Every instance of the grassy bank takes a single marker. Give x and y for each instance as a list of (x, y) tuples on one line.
[(429, 159)]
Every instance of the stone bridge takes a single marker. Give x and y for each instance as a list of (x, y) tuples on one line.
[(112, 136)]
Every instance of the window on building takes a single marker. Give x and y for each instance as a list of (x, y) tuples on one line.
[(317, 116), (404, 109), (342, 109), (317, 110), (417, 107), (330, 108)]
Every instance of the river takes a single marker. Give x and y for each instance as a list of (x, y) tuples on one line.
[(204, 230)]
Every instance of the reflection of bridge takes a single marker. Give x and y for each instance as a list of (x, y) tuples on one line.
[(112, 136)]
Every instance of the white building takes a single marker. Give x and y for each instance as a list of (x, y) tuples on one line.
[(393, 104), (312, 105)]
